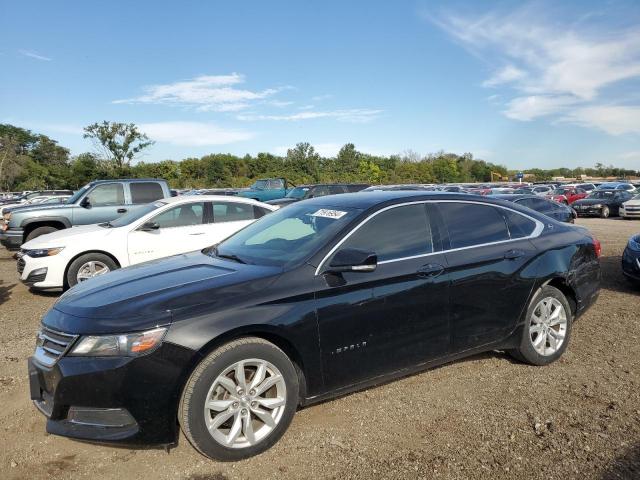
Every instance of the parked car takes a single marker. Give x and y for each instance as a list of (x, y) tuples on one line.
[(302, 192), (28, 195), (267, 189), (165, 227), (602, 203), (587, 187), (567, 195), (535, 190), (326, 296), (557, 211), (57, 200), (96, 202), (631, 208), (401, 187), (627, 187), (631, 259)]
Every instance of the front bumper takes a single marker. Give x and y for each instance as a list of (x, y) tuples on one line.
[(113, 399), (583, 211), (42, 273), (633, 212), (631, 264), (12, 239)]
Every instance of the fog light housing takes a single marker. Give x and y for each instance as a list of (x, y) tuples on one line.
[(100, 417)]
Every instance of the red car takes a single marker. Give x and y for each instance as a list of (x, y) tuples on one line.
[(567, 195)]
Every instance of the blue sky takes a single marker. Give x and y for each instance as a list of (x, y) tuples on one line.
[(525, 85)]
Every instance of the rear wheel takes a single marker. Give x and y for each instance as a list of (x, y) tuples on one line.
[(604, 213), (547, 328), (88, 266), (239, 400), (36, 232)]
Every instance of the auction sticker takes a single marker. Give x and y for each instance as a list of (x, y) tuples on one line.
[(326, 213)]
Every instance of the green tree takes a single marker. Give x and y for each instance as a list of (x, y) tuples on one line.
[(119, 142)]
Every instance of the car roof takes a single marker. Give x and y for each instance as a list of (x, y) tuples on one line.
[(128, 180), (211, 198), (366, 200), (517, 196)]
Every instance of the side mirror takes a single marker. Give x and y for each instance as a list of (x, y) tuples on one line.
[(85, 203), (149, 227), (353, 260)]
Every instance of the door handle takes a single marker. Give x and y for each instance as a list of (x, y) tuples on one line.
[(430, 270), (514, 254), (122, 210)]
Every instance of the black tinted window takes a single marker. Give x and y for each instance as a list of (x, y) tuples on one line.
[(145, 192), (519, 225), (473, 224), (395, 233), (537, 204)]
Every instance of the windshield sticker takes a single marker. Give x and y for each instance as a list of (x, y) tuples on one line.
[(326, 213)]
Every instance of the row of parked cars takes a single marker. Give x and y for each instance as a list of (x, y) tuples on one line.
[(303, 303)]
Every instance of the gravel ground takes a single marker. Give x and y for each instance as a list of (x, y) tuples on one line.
[(484, 417)]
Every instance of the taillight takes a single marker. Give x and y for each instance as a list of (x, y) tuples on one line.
[(597, 246)]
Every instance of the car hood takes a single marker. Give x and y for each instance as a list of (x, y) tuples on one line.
[(28, 208), (61, 238), (632, 203), (146, 295), (595, 201)]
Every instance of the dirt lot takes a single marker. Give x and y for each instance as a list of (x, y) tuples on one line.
[(486, 417)]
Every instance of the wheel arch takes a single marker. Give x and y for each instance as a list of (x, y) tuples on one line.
[(29, 226), (75, 257), (567, 290)]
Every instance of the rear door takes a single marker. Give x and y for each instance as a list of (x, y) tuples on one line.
[(372, 323), (181, 229), (487, 254)]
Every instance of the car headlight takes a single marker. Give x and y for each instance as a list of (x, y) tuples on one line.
[(127, 345), (43, 252), (597, 205)]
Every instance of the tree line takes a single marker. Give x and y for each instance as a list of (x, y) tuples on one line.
[(32, 161)]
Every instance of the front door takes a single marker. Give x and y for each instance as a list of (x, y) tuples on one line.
[(103, 203), (372, 323), (488, 264), (180, 229)]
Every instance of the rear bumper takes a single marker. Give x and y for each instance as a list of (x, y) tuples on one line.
[(131, 401), (12, 239)]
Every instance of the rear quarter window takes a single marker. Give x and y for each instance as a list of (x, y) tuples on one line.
[(145, 192)]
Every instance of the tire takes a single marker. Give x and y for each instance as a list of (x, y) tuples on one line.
[(231, 410), (36, 232), (544, 353), (605, 212), (100, 260)]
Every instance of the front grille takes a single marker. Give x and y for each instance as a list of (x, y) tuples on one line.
[(632, 209), (20, 265), (51, 345)]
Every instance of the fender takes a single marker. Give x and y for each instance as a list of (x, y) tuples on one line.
[(28, 221)]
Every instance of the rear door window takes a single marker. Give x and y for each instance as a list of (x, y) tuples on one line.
[(145, 192), (395, 233), (471, 224)]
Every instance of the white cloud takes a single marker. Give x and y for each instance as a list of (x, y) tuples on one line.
[(34, 55), (554, 68), (353, 115), (630, 155), (615, 120), (193, 133), (319, 98), (206, 93)]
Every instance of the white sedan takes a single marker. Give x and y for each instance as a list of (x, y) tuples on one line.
[(165, 227)]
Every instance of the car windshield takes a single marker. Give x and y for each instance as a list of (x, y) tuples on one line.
[(298, 192), (74, 198), (134, 215), (259, 185), (637, 197), (602, 194), (286, 236)]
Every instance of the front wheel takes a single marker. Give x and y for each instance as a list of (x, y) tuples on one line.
[(239, 400), (604, 213), (547, 328), (37, 232), (88, 266)]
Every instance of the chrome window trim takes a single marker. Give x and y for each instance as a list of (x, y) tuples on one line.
[(536, 231)]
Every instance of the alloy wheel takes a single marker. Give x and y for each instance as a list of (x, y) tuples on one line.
[(245, 403), (91, 269), (548, 326)]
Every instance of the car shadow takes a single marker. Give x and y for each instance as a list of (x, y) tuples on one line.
[(45, 293), (612, 277), (5, 291), (625, 466)]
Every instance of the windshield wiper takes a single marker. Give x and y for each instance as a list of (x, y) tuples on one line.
[(228, 256)]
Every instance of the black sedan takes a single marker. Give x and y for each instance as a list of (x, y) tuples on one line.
[(631, 259), (315, 300), (601, 203), (558, 211), (304, 192)]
